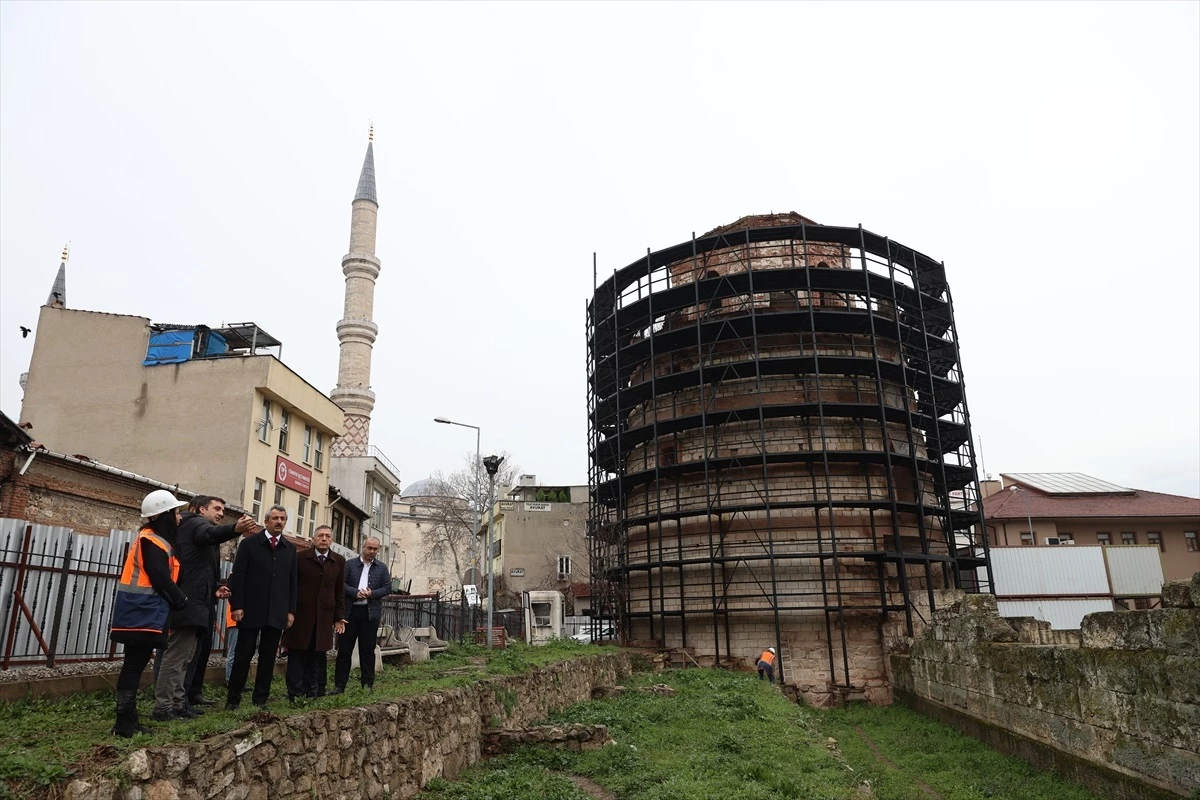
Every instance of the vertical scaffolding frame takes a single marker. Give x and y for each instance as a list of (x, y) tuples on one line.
[(735, 390)]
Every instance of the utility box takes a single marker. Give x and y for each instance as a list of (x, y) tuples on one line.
[(543, 616)]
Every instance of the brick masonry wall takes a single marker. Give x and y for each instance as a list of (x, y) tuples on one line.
[(390, 749), (55, 493), (1121, 697)]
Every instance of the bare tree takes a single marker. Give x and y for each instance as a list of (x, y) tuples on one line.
[(448, 535)]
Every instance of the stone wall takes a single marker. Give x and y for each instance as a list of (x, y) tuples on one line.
[(1116, 705), (387, 750)]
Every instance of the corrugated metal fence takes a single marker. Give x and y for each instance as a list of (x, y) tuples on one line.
[(57, 589)]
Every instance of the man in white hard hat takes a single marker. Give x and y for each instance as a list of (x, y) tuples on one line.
[(766, 664), (146, 593)]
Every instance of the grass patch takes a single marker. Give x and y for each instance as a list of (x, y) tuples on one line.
[(43, 742), (920, 749), (728, 735), (724, 735)]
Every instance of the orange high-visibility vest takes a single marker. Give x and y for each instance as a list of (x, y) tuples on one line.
[(768, 657), (139, 608), (229, 620)]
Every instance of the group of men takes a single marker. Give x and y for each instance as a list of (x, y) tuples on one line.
[(277, 595)]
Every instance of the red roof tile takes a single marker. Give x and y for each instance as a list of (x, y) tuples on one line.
[(1011, 504)]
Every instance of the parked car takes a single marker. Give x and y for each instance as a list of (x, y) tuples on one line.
[(603, 633)]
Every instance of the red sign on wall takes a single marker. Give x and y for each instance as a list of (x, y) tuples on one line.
[(293, 476)]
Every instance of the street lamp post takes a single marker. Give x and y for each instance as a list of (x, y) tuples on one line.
[(492, 464), (475, 474), (1028, 513)]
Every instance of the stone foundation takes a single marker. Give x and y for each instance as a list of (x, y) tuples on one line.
[(1122, 697), (390, 749)]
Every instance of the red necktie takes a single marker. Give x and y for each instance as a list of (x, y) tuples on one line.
[(274, 542)]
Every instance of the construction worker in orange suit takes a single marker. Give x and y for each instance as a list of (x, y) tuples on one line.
[(766, 664)]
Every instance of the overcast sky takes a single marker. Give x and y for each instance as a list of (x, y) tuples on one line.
[(201, 158)]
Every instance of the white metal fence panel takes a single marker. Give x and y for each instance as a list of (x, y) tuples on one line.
[(1049, 571), (1062, 614), (1134, 569)]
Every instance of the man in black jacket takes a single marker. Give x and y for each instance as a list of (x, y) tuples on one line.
[(197, 547), (263, 598)]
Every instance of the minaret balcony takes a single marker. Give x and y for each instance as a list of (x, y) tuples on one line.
[(357, 330), (360, 265), (353, 398)]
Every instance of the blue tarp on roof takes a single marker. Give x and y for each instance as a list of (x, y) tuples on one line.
[(169, 347)]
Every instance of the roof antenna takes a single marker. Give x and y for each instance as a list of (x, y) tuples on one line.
[(982, 466)]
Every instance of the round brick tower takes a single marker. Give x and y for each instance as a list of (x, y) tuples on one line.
[(780, 449)]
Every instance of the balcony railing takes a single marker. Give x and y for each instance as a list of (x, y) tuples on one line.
[(375, 452)]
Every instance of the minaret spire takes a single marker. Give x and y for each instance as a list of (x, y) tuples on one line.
[(58, 292), (356, 330)]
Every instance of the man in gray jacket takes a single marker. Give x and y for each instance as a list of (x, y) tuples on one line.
[(367, 583)]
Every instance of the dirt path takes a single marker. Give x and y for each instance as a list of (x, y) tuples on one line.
[(883, 759), (591, 787)]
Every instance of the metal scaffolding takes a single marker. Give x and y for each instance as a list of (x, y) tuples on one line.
[(777, 427)]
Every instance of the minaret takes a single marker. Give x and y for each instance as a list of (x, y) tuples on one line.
[(58, 292), (356, 332)]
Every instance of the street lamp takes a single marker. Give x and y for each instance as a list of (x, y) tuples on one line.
[(475, 473), (1028, 512), (492, 465)]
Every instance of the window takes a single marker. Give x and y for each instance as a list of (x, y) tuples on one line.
[(564, 568), (283, 430), (335, 522), (260, 486), (278, 495), (308, 432), (320, 454), (1103, 538), (1155, 538), (264, 424), (312, 518), (541, 614), (377, 517), (300, 515), (1128, 538), (412, 511), (1028, 539), (497, 548), (1063, 538), (1189, 540), (349, 534), (666, 455)]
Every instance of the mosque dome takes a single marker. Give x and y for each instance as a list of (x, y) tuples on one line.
[(427, 487)]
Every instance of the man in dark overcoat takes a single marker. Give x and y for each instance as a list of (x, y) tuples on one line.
[(320, 613), (197, 547), (263, 598)]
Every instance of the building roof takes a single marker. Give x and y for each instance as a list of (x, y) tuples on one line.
[(11, 433), (1065, 483), (1019, 502), (366, 179), (762, 221), (427, 487)]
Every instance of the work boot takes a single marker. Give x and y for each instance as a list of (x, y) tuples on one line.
[(127, 724)]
